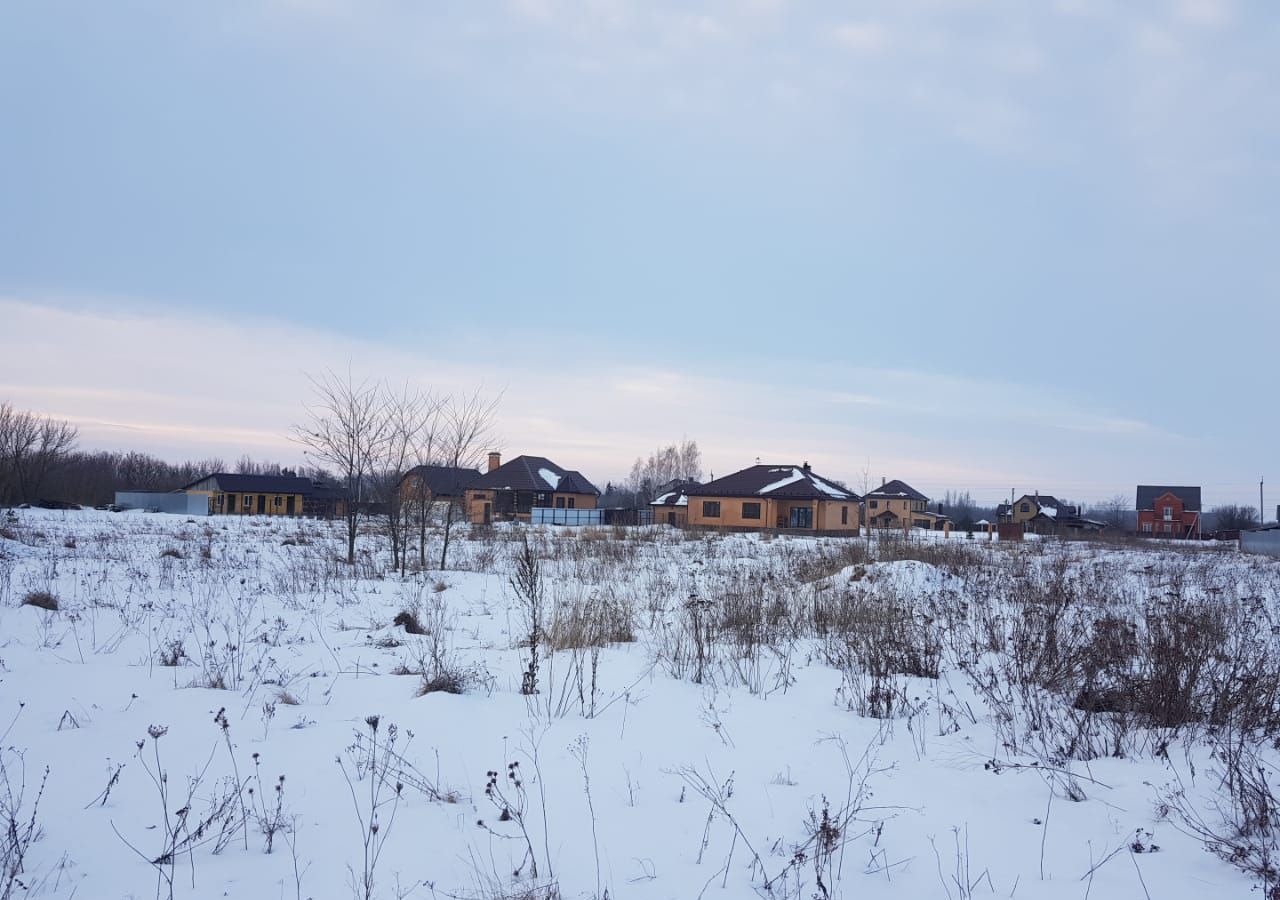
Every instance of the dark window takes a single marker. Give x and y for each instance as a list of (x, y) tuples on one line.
[(875, 504), (559, 503), (750, 510), (844, 515), (1026, 507), (711, 509), (277, 502), (573, 502)]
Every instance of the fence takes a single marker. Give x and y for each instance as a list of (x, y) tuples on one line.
[(1266, 543), (545, 515), (164, 501)]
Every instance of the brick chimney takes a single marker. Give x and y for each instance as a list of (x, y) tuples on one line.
[(495, 459)]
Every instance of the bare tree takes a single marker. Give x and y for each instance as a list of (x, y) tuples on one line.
[(1231, 517), (31, 447), (410, 417), (677, 462), (346, 430), (1114, 512), (467, 431)]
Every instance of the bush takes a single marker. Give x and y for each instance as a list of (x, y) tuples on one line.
[(41, 599), (409, 621)]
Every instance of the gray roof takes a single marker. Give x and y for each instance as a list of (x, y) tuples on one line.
[(230, 482), (896, 490), (444, 481), (526, 473), (1147, 494), (786, 481)]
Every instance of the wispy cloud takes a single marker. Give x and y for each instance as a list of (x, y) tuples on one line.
[(196, 386)]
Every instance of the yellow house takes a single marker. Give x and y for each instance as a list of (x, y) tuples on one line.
[(896, 504), (259, 495), (510, 491), (765, 496)]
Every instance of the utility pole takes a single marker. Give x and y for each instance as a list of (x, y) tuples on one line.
[(1262, 516)]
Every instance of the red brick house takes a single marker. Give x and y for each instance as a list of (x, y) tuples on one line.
[(1168, 512)]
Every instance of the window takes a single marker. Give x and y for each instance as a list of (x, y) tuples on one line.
[(1026, 507), (875, 504), (711, 509), (1146, 526), (278, 502), (1168, 513), (750, 510), (559, 503), (844, 515), (573, 502), (248, 502)]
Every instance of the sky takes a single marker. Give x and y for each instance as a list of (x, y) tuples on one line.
[(982, 245)]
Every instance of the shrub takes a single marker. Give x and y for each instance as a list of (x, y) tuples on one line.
[(41, 599), (408, 620)]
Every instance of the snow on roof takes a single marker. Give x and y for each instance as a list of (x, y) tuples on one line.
[(796, 475), (659, 501), (550, 478), (683, 501), (1050, 511), (829, 489)]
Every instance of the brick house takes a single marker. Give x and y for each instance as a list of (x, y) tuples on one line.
[(509, 492), (773, 497), (896, 504), (1168, 512)]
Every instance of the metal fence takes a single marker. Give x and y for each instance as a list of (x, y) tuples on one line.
[(545, 515), (1266, 543), (164, 501)]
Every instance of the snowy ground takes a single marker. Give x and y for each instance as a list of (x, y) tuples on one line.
[(740, 717)]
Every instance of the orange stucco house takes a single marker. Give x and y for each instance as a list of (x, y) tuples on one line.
[(781, 496)]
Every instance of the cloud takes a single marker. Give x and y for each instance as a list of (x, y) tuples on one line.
[(860, 37), (194, 386), (1204, 13)]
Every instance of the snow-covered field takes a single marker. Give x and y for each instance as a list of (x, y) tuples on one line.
[(224, 708)]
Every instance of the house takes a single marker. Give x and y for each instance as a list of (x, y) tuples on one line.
[(510, 491), (773, 497), (1168, 511), (262, 495), (671, 506), (431, 489), (1045, 514), (896, 504)]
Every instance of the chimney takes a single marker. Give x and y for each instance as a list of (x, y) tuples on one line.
[(495, 459), (806, 466), (883, 481)]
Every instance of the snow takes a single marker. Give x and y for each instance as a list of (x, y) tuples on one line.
[(659, 501), (796, 475), (1050, 511), (550, 478), (829, 489), (304, 653)]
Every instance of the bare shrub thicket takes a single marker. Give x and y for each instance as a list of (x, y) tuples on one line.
[(19, 822)]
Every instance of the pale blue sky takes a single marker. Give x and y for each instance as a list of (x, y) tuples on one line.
[(984, 244)]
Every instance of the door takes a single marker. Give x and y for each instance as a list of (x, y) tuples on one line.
[(262, 503), (671, 517), (288, 505), (801, 517), (488, 513)]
